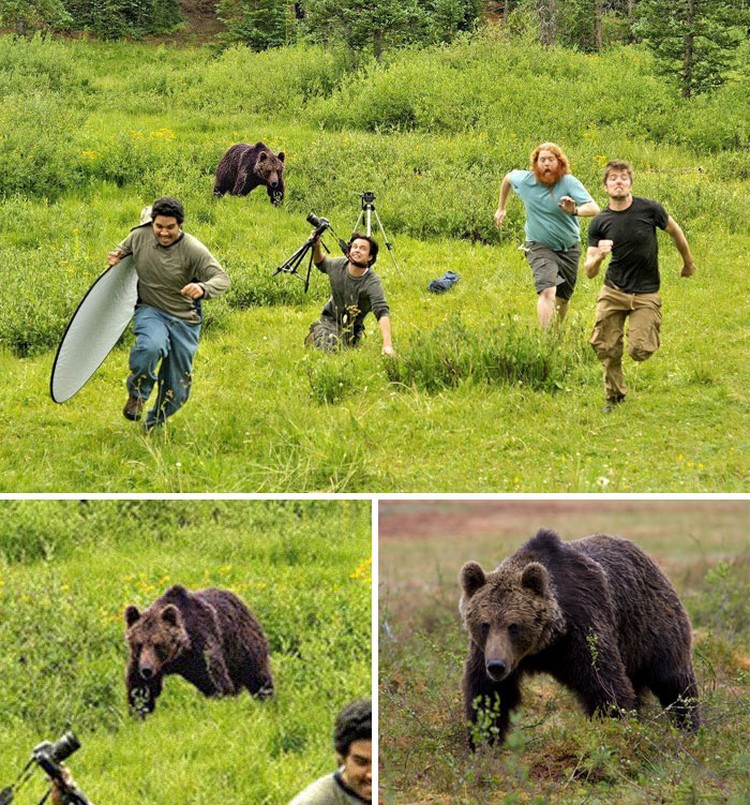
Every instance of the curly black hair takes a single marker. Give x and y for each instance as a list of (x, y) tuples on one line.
[(169, 207), (354, 723)]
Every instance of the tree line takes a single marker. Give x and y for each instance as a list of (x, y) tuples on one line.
[(696, 42)]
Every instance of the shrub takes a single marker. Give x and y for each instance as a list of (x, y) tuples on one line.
[(722, 605), (454, 353)]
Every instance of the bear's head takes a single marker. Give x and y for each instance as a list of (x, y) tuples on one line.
[(269, 168), (510, 613), (156, 638)]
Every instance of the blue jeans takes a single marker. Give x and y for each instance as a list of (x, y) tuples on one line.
[(161, 337)]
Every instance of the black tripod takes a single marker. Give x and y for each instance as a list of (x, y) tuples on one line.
[(368, 209), (291, 265)]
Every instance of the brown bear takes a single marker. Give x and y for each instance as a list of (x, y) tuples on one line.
[(208, 637), (596, 614), (243, 167)]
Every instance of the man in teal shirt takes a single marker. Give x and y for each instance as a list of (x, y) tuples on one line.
[(554, 200)]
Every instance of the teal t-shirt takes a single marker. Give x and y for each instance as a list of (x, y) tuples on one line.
[(545, 222)]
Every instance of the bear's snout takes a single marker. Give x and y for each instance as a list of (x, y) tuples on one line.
[(496, 669), (147, 672)]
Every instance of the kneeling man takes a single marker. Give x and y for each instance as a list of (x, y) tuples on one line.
[(355, 291)]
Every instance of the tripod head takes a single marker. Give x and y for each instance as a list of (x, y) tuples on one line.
[(367, 202)]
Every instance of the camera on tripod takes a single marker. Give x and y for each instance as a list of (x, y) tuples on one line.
[(320, 224), (291, 265), (49, 756)]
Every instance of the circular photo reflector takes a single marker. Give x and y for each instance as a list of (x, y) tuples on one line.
[(95, 328)]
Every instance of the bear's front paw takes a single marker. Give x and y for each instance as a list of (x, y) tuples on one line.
[(141, 701)]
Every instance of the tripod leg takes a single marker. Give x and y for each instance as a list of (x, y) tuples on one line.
[(291, 265), (388, 244), (309, 269)]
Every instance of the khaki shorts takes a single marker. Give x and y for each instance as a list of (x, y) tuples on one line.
[(552, 269)]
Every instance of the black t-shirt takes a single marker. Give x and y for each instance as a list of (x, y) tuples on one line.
[(634, 264)]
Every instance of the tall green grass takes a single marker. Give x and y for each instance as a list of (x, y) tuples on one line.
[(67, 571)]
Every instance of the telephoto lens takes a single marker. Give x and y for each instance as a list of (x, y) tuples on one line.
[(64, 747), (313, 219)]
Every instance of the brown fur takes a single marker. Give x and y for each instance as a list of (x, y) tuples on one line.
[(208, 637), (596, 614), (244, 167)]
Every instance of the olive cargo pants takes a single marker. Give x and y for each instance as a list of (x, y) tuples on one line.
[(613, 307)]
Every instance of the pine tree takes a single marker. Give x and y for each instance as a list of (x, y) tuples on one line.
[(693, 40), (23, 15), (259, 24)]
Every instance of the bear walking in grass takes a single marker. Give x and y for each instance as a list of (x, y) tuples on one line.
[(208, 637), (596, 614), (244, 167)]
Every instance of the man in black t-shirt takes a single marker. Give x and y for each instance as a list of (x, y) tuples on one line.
[(626, 230)]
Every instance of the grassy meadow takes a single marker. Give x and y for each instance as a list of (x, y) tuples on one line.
[(68, 569), (477, 400), (554, 754)]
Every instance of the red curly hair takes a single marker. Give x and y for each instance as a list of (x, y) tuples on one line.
[(564, 163)]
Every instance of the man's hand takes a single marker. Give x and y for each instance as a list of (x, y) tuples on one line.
[(500, 217), (594, 257), (193, 290), (388, 350), (113, 258), (567, 204), (688, 269)]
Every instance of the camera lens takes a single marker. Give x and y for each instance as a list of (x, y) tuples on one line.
[(64, 747), (313, 219)]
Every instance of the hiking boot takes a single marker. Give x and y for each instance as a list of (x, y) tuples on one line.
[(613, 402), (133, 408)]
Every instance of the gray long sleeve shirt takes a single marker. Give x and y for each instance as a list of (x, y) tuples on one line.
[(163, 271)]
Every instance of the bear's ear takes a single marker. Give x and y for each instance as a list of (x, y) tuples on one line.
[(262, 156), (471, 578), (171, 615), (132, 615), (282, 156), (535, 578)]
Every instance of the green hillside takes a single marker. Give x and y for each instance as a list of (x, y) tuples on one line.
[(478, 400)]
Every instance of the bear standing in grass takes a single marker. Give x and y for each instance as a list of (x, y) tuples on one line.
[(244, 167), (596, 614), (208, 637)]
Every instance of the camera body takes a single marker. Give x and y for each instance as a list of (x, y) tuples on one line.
[(49, 755), (368, 199), (320, 224)]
